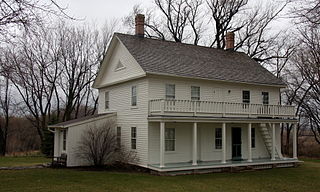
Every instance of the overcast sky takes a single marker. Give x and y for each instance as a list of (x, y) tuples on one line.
[(99, 10)]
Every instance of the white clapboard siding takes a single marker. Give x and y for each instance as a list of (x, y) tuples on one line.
[(211, 90), (111, 74), (129, 116)]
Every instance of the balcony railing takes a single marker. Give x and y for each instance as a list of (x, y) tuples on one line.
[(211, 108)]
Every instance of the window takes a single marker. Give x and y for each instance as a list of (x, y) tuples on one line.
[(64, 140), (253, 137), (133, 137), (170, 139), (195, 93), (218, 138), (106, 97), (170, 91), (246, 96), (134, 96), (118, 137), (265, 98)]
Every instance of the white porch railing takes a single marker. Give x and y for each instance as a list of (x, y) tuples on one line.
[(166, 107)]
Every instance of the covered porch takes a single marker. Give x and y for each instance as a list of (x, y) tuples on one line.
[(193, 151)]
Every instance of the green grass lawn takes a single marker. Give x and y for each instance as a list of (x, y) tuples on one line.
[(304, 178), (22, 161)]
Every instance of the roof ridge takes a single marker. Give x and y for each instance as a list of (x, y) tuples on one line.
[(182, 43)]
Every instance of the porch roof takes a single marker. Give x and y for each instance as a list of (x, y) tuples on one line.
[(210, 119)]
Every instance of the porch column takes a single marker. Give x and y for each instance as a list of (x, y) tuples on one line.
[(294, 141), (162, 126), (194, 144), (249, 143), (223, 143), (273, 154)]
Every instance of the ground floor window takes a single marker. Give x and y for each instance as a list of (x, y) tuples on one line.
[(133, 138), (170, 139), (118, 137), (218, 138), (64, 140), (253, 137)]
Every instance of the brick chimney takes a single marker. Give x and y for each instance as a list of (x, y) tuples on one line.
[(229, 41), (139, 25)]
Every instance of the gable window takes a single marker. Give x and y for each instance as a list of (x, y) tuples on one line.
[(118, 137), (133, 138), (246, 96), (265, 98), (64, 140), (134, 96), (170, 91), (106, 98), (218, 138), (119, 66), (253, 137), (195, 93), (170, 139)]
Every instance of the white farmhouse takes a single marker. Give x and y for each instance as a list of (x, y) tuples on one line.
[(183, 107)]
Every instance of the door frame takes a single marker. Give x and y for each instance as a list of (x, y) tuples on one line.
[(238, 156)]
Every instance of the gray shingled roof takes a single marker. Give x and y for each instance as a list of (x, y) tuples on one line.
[(166, 57), (70, 122)]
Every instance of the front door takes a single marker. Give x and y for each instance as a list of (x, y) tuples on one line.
[(236, 143)]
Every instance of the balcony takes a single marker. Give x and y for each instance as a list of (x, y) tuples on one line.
[(218, 109)]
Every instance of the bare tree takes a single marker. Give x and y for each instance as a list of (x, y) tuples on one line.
[(5, 107), (98, 146), (26, 14)]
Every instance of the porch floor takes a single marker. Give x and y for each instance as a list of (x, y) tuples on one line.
[(217, 164)]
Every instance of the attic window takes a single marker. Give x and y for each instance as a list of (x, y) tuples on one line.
[(120, 66)]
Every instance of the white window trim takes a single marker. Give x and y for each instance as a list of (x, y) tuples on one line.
[(165, 139), (105, 100), (174, 95), (199, 92), (135, 138), (249, 96), (214, 141), (136, 87), (64, 132)]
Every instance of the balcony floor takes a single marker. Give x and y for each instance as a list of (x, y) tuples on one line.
[(183, 166)]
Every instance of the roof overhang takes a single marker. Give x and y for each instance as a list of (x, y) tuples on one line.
[(75, 122), (217, 80)]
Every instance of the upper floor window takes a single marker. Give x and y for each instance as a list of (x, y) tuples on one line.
[(265, 98), (106, 98), (253, 137), (218, 138), (133, 137), (170, 91), (195, 93), (170, 139), (246, 96), (64, 140), (134, 96)]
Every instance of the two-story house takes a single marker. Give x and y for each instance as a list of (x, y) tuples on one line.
[(183, 107)]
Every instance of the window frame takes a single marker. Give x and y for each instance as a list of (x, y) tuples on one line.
[(253, 138), (167, 140), (118, 137), (134, 97), (107, 100), (64, 140), (133, 138), (217, 140), (197, 88), (246, 100), (265, 95), (170, 96)]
